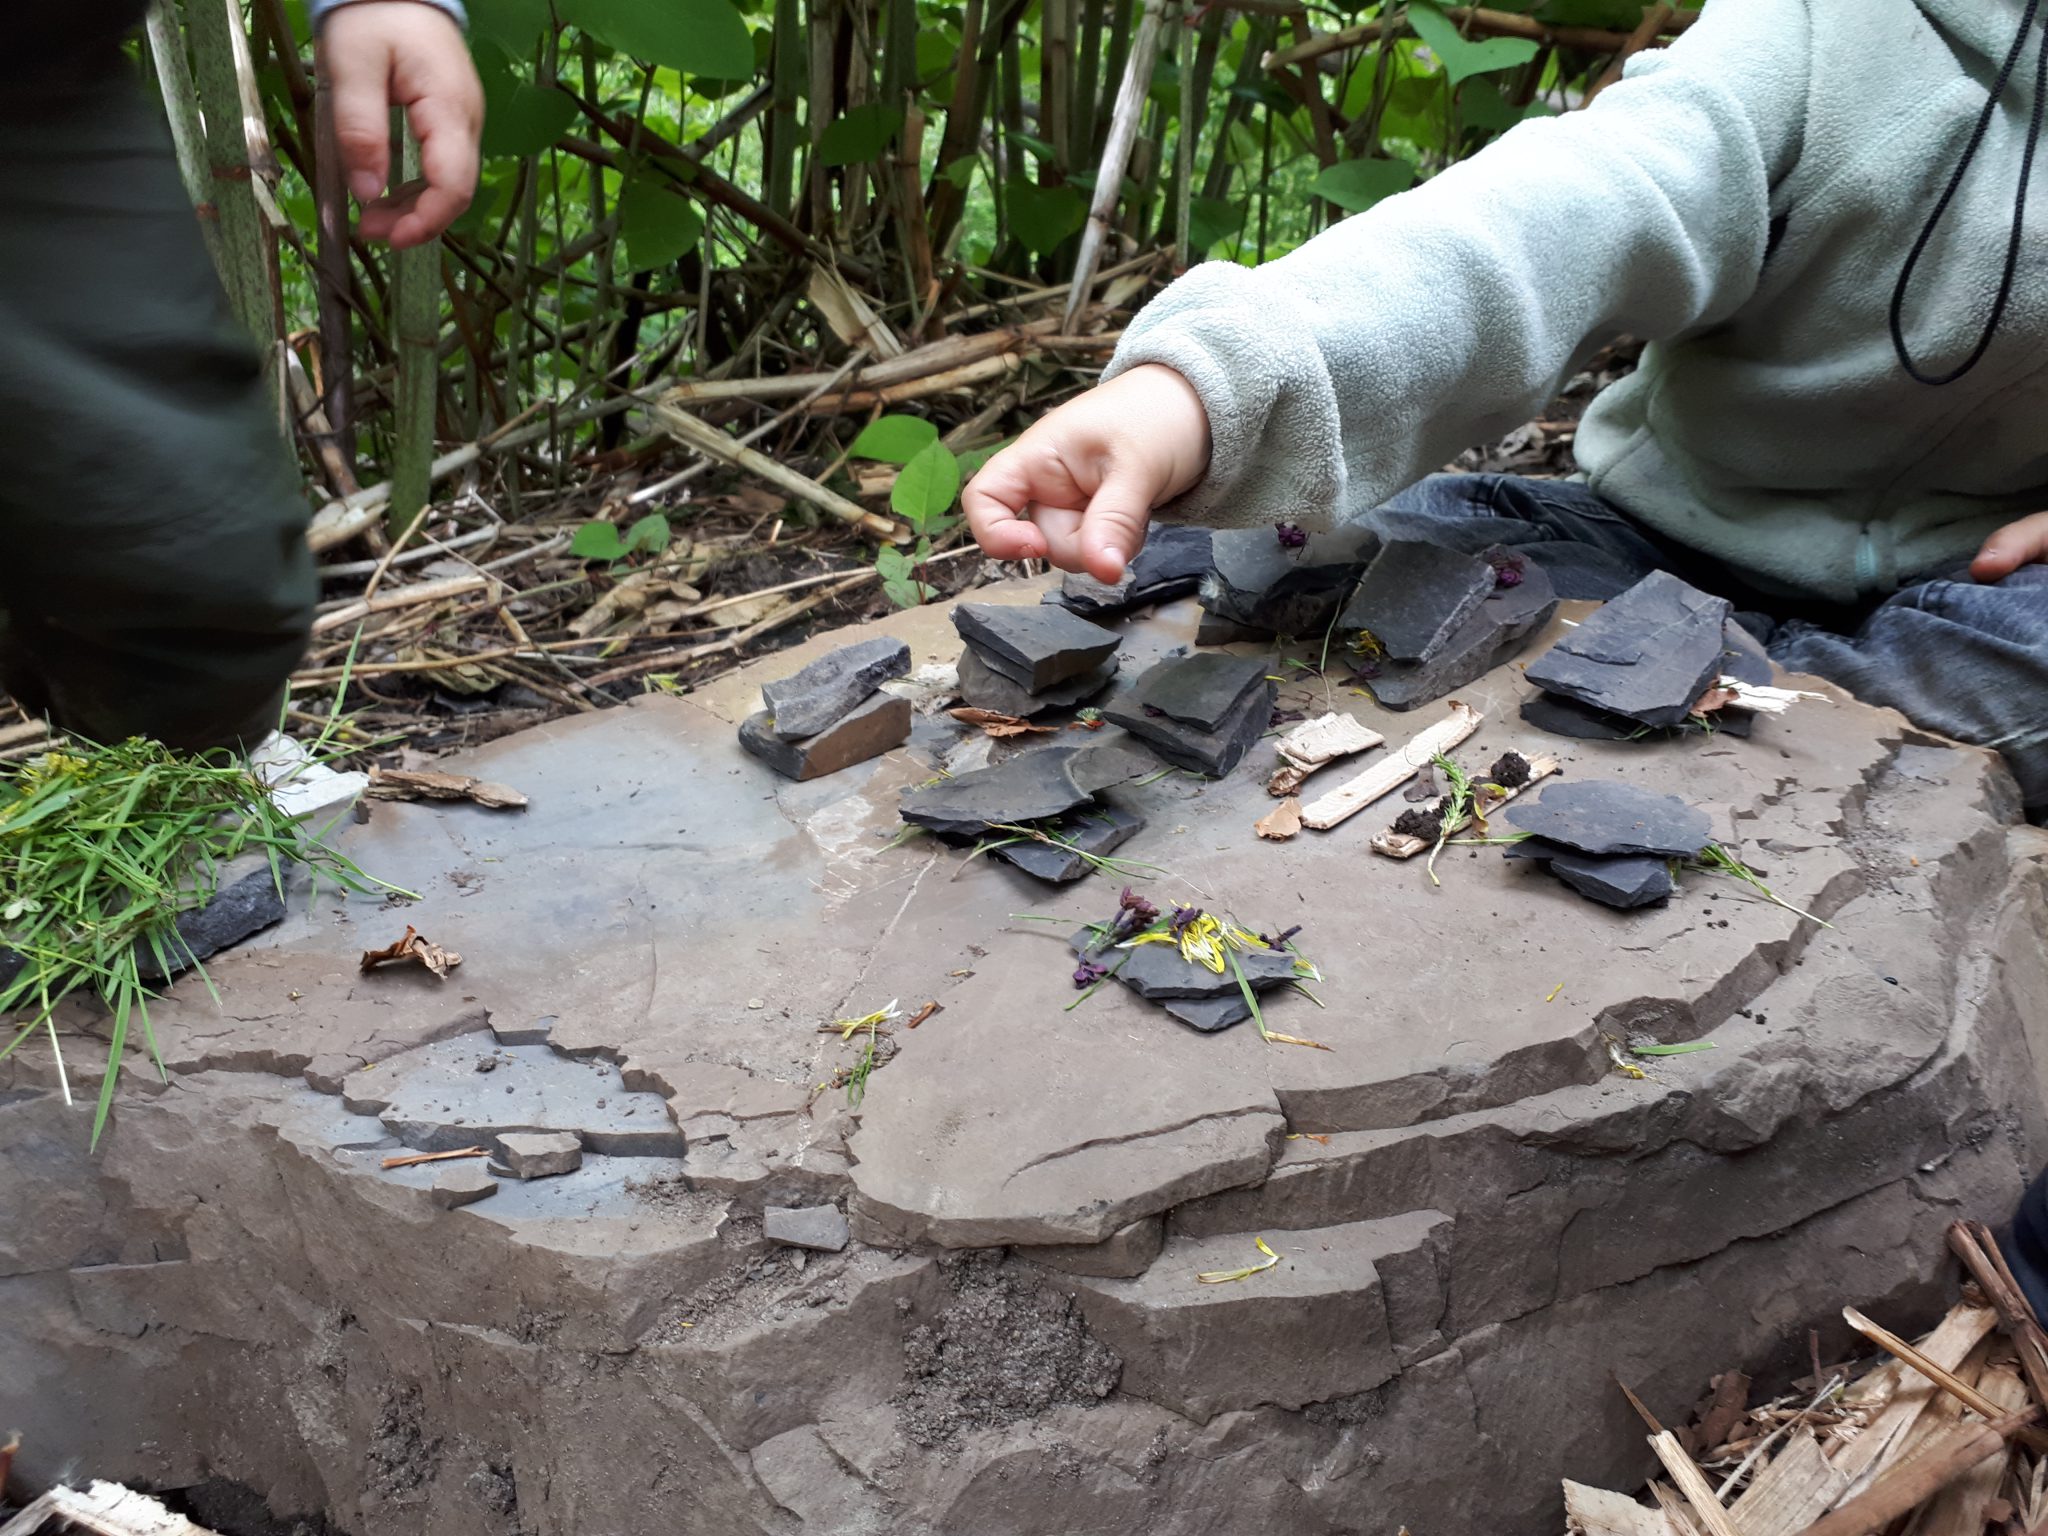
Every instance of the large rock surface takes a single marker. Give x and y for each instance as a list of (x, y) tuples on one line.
[(1480, 1223)]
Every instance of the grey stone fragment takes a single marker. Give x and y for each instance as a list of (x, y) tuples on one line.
[(985, 688), (1098, 830), (1232, 690), (1649, 654), (540, 1154), (824, 691), (1560, 716), (877, 725), (1171, 564), (1744, 658), (818, 1227), (1124, 1254), (1035, 647), (1625, 882), (532, 1032), (1604, 817), (461, 1184), (245, 904), (1414, 596), (1257, 582), (1491, 635), (1030, 787), (1194, 994), (1215, 629)]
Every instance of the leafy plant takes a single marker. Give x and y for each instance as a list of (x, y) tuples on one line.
[(602, 541), (1717, 860), (926, 488)]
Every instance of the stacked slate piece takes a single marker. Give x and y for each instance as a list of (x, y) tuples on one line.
[(1641, 664), (1277, 581), (833, 713), (1021, 661), (1171, 564), (1610, 842), (1200, 712), (1430, 619), (1199, 997), (1052, 787)]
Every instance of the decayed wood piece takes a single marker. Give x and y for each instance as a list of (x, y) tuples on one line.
[(1395, 846), (1973, 1243), (1596, 1512), (708, 440), (1699, 1493), (1958, 1510), (1316, 743), (1791, 1493), (1393, 770), (1948, 1346), (1116, 153), (1947, 1380), (1910, 1483), (401, 597), (425, 784), (408, 1159), (851, 317), (104, 1509)]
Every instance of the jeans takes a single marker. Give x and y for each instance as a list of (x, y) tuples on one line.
[(1961, 658)]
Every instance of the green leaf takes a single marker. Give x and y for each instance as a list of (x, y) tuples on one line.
[(961, 171), (698, 37), (1038, 147), (936, 52), (855, 137), (1355, 185), (894, 439), (972, 460), (899, 578), (1673, 1050), (520, 119), (648, 536), (597, 541), (514, 25), (1043, 217), (927, 486), (657, 224), (1463, 57), (1212, 219)]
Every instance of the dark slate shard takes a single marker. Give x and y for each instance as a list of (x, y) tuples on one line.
[(1083, 595), (1030, 787), (1098, 830), (1036, 647), (1214, 629), (1491, 635), (1560, 716), (830, 687), (1744, 659), (1194, 994), (1171, 706), (1259, 583), (244, 904), (1605, 817), (985, 688), (881, 722), (1535, 850), (1649, 654), (1626, 882), (1171, 564), (1200, 690), (1415, 596)]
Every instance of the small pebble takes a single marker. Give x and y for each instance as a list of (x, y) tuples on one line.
[(757, 1002), (1892, 980), (487, 1063)]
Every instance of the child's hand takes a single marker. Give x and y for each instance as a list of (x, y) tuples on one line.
[(2016, 544), (1079, 487), (380, 54)]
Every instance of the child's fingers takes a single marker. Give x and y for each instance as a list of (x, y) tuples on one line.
[(357, 71), (1061, 528), (1114, 528), (995, 502), (2016, 544)]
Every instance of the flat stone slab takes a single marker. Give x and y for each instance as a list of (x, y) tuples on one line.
[(1200, 712), (879, 724), (1170, 564), (541, 1154), (1622, 881), (1649, 654), (1492, 635), (821, 1228), (1262, 584), (1033, 786), (461, 1184), (1605, 817), (1034, 647), (1099, 831), (1415, 596), (1204, 999), (985, 688), (824, 692)]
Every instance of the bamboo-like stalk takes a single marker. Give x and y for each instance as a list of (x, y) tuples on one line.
[(188, 135), (417, 316), (1123, 131), (1056, 83), (1186, 131), (785, 78)]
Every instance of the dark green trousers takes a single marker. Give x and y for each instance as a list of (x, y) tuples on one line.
[(154, 577)]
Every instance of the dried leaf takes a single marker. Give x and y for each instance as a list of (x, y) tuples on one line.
[(414, 948), (423, 784), (1286, 780), (1226, 1276), (1280, 823), (1274, 1037), (1712, 700), (998, 724)]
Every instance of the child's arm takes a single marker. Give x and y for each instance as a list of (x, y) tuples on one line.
[(1333, 377)]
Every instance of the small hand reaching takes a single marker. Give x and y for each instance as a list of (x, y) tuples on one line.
[(378, 54), (1079, 487), (2016, 544)]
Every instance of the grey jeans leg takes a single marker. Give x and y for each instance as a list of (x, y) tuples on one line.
[(1963, 658)]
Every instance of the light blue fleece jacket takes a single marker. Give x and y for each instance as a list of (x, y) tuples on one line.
[(1744, 200), (317, 9)]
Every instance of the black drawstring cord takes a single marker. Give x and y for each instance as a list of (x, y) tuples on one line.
[(2019, 210)]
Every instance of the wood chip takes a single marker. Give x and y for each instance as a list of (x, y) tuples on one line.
[(1596, 1512), (998, 724), (1393, 770), (415, 949), (408, 1159), (1948, 1346), (1796, 1489), (425, 784), (1699, 1493), (104, 1509), (1280, 823), (1396, 846), (1326, 738), (924, 1013)]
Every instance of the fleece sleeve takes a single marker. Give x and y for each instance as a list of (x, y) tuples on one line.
[(317, 10), (1451, 313)]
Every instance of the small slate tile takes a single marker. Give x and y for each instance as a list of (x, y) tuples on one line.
[(1098, 831), (540, 1154), (821, 1228), (1034, 646), (244, 904), (1258, 582), (1030, 787), (1202, 690), (1194, 994), (1743, 657), (985, 688), (1491, 635), (879, 724), (1649, 654), (829, 688), (1214, 753), (461, 1184), (1560, 716), (1626, 882), (1414, 596), (1604, 817), (1171, 564)]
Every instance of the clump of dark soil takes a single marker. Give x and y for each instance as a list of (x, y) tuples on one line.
[(236, 1509), (401, 1456), (1421, 823), (1007, 1348), (1510, 771)]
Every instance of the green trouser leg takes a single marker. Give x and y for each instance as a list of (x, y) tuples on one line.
[(154, 576)]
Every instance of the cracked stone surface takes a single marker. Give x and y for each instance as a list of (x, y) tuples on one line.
[(1478, 1220)]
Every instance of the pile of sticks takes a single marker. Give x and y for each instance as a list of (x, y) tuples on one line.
[(1943, 1437)]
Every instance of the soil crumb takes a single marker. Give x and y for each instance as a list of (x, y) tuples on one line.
[(1420, 823), (1007, 1348), (1510, 771)]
